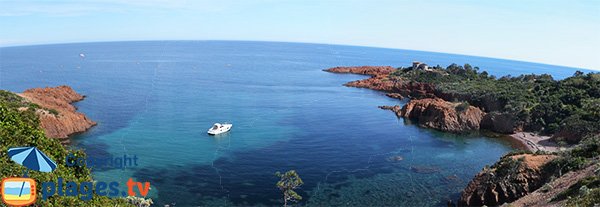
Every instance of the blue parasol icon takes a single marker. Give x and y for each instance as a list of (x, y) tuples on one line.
[(32, 158)]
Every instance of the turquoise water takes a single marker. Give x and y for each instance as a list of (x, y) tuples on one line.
[(155, 100)]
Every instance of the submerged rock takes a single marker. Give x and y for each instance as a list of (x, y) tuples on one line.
[(395, 158), (451, 178), (58, 118), (425, 169)]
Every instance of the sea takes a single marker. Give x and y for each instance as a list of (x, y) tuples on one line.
[(155, 100)]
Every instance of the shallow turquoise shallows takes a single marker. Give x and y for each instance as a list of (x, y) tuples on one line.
[(156, 100)]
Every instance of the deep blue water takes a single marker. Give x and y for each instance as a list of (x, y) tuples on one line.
[(156, 100)]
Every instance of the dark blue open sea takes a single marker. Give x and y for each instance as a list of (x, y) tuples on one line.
[(155, 100)]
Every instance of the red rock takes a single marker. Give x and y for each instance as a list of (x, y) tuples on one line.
[(396, 109), (395, 95), (365, 70), (443, 115), (68, 121), (380, 80), (511, 178)]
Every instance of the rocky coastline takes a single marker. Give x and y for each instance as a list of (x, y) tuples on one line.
[(381, 81), (58, 117), (513, 177), (509, 180), (432, 108)]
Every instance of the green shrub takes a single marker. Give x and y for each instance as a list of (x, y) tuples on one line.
[(53, 112), (21, 128), (588, 148), (592, 198), (580, 188)]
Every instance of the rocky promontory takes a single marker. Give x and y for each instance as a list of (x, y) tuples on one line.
[(513, 177), (429, 111), (365, 70), (443, 115), (460, 99), (434, 108), (58, 117), (380, 80)]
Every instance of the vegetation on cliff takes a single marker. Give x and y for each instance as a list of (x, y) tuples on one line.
[(512, 177), (58, 117), (568, 108), (585, 192), (20, 128), (570, 178)]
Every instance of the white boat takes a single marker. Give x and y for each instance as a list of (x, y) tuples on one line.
[(219, 128)]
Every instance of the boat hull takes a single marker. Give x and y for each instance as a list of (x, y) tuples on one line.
[(225, 128)]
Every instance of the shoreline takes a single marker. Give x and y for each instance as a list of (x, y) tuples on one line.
[(534, 142), (528, 141)]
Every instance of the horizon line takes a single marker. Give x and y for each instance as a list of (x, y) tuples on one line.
[(275, 41)]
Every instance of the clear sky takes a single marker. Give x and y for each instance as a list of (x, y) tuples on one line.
[(546, 31)]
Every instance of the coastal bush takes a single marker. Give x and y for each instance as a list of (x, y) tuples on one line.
[(288, 182), (591, 198), (12, 100), (588, 148), (53, 112), (581, 188), (139, 202), (564, 164), (576, 158), (21, 128), (507, 166)]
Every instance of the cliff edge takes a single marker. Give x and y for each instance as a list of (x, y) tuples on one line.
[(443, 115), (58, 117), (513, 177)]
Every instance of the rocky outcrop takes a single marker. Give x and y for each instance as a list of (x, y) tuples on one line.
[(513, 177), (380, 80), (395, 95), (58, 118), (443, 115), (396, 109), (379, 76), (364, 70)]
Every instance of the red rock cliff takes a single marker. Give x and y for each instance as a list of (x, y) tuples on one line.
[(67, 121), (381, 81), (443, 115), (364, 70), (511, 178)]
